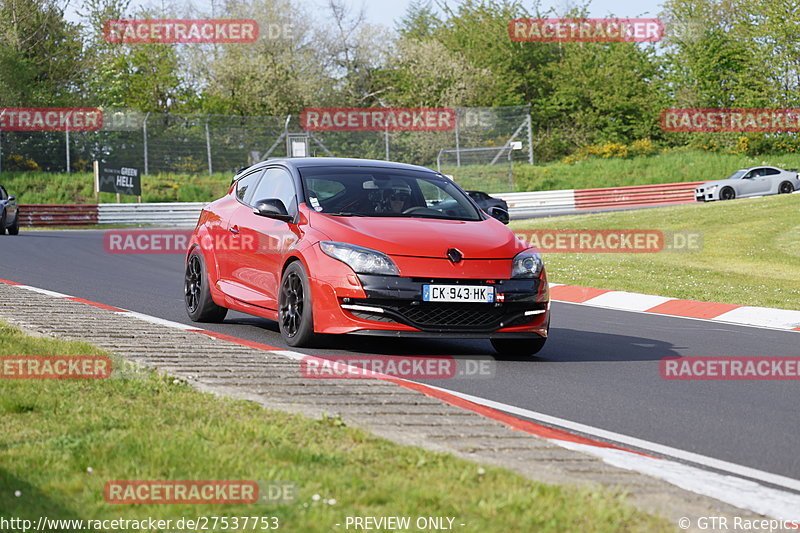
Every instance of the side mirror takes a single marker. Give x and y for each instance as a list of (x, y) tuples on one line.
[(272, 208), (12, 198), (500, 214)]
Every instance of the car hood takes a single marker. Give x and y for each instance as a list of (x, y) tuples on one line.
[(419, 237)]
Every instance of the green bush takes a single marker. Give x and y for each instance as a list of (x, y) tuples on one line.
[(20, 163)]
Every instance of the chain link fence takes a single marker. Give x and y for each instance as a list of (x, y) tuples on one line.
[(477, 152)]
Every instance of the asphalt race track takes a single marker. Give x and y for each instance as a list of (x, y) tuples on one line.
[(599, 368)]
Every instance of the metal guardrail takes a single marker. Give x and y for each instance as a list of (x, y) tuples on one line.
[(162, 214), (521, 204)]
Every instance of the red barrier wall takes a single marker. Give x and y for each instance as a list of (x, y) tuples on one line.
[(636, 195), (40, 215)]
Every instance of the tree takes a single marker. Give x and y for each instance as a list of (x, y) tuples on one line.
[(40, 55), (605, 92)]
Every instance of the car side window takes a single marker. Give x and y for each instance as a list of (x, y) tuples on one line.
[(3, 194), (246, 186), (277, 183), (771, 172)]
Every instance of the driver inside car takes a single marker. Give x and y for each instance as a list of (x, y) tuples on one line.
[(399, 198)]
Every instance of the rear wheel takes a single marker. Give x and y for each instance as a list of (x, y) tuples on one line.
[(727, 194), (517, 347), (295, 318), (13, 229), (197, 294), (785, 188)]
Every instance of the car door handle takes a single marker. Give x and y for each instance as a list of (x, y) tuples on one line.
[(234, 230)]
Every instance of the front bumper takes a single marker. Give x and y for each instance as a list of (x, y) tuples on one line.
[(393, 306), (703, 194)]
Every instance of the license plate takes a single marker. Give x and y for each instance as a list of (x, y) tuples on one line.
[(457, 293)]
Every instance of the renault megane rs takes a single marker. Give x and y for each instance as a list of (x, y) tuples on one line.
[(334, 246)]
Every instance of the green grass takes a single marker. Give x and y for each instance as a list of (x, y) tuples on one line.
[(150, 428), (750, 254), (665, 167), (53, 188)]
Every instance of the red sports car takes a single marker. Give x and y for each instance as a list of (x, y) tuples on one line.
[(326, 245)]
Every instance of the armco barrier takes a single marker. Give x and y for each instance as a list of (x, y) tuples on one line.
[(162, 214), (520, 204), (636, 195), (57, 215)]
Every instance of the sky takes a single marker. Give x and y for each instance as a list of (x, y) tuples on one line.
[(387, 12)]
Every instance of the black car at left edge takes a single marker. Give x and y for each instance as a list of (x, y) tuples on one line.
[(9, 213)]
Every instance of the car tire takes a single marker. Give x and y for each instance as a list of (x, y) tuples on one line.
[(518, 347), (727, 193), (295, 312), (785, 188), (197, 293), (13, 229)]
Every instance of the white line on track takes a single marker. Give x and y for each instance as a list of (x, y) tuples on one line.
[(737, 491), (707, 320)]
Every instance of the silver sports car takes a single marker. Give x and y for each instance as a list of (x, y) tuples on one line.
[(755, 181)]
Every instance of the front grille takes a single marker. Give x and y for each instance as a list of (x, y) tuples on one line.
[(436, 314), (449, 316)]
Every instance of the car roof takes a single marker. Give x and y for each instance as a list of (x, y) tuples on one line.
[(301, 162), (760, 166)]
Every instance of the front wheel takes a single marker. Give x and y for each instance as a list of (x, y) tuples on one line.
[(197, 294), (785, 188), (295, 318), (3, 223), (518, 347), (727, 194)]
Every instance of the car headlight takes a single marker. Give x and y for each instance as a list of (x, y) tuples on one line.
[(360, 259), (711, 188), (527, 264)]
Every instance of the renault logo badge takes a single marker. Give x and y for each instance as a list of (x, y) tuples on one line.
[(454, 255)]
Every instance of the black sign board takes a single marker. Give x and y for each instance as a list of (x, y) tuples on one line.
[(119, 179)]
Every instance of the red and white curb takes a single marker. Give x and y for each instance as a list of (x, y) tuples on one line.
[(733, 484), (742, 315)]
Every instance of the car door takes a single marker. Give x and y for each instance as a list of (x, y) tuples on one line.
[(753, 183), (264, 241), (224, 235)]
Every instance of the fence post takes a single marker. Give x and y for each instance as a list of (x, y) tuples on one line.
[(67, 137), (3, 112), (510, 171), (530, 139), (144, 135), (208, 149), (458, 144)]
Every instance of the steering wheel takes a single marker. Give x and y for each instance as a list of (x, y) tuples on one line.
[(420, 209)]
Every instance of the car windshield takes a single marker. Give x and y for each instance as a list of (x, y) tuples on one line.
[(739, 174), (384, 192)]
